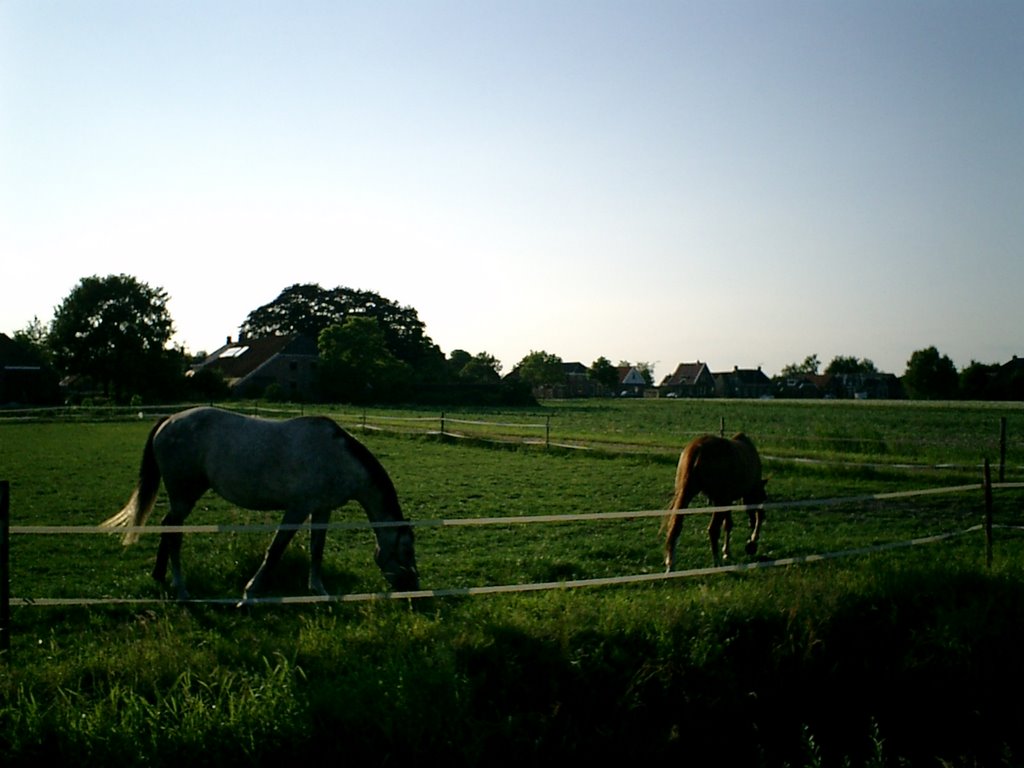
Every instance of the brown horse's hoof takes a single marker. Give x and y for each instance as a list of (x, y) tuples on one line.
[(751, 548)]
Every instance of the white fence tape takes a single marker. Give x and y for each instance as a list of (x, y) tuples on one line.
[(477, 521), (511, 588), (515, 588)]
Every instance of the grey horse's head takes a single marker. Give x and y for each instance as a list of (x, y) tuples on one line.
[(396, 558)]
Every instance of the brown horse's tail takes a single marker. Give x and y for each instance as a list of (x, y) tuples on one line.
[(687, 462), (136, 511)]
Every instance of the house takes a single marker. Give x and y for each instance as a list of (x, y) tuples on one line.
[(689, 380), (743, 382), (1009, 380), (25, 378), (804, 386), (250, 366), (577, 382), (631, 382), (866, 386)]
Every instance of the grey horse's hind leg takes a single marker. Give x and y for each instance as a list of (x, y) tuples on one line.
[(170, 550), (317, 540)]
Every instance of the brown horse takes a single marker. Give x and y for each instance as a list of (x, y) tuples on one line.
[(723, 470)]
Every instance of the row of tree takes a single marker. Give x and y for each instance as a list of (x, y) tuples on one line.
[(930, 375), (112, 336)]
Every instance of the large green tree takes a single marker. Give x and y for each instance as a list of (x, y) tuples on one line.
[(604, 373), (931, 376), (115, 332), (481, 368), (356, 365), (541, 369), (809, 367), (841, 364), (309, 309)]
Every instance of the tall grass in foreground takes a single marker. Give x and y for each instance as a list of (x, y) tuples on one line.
[(912, 658)]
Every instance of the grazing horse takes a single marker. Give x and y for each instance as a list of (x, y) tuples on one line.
[(305, 466), (723, 470)]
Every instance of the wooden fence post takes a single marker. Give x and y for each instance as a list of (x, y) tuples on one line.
[(547, 432), (5, 569), (721, 428), (442, 423), (1002, 449), (988, 516)]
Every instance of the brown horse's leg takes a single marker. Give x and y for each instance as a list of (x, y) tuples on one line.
[(726, 549), (718, 520), (756, 520), (714, 531)]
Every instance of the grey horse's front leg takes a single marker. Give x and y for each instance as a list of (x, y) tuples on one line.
[(277, 546), (317, 540)]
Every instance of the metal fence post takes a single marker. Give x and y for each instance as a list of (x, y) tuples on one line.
[(1002, 449), (988, 515), (5, 568)]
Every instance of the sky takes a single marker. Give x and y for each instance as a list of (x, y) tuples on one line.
[(740, 182)]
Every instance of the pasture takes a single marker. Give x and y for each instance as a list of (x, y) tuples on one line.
[(901, 655)]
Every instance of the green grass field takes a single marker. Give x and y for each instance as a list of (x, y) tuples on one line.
[(901, 656)]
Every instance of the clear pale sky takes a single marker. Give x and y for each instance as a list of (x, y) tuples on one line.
[(740, 182)]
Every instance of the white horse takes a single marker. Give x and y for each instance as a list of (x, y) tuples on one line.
[(305, 466)]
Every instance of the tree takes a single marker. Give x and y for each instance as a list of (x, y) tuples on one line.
[(930, 376), (34, 334), (541, 369), (309, 309), (114, 331), (356, 364), (980, 381), (482, 368), (604, 373), (809, 366), (977, 381), (850, 365)]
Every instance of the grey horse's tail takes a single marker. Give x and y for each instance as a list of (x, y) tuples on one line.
[(136, 511)]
